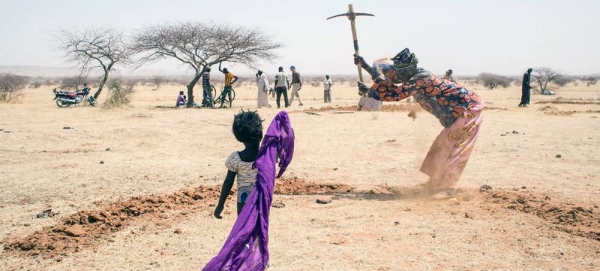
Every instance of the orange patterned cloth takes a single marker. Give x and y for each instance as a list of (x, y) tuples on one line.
[(457, 109), (444, 99)]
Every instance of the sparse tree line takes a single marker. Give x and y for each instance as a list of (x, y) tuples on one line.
[(197, 46), (543, 79), (11, 85)]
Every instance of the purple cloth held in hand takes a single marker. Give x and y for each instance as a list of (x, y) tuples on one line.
[(246, 247)]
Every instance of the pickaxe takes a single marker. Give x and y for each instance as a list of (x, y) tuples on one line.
[(351, 15)]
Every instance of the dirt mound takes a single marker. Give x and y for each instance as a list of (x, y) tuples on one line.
[(494, 108), (548, 108), (294, 186), (86, 229), (560, 113), (399, 107), (572, 218), (551, 110), (389, 193), (561, 100)]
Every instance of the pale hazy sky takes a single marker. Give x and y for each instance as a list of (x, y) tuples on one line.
[(469, 36)]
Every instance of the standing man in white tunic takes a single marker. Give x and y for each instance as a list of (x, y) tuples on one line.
[(263, 89)]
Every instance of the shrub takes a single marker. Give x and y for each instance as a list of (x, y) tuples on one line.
[(119, 94), (72, 82), (563, 81), (492, 81), (35, 85), (10, 86), (158, 81), (546, 76), (591, 80)]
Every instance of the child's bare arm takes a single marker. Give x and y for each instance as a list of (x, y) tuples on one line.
[(225, 190)]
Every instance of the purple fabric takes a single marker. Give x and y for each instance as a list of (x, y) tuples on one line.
[(246, 247)]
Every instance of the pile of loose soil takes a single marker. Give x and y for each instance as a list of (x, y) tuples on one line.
[(399, 107), (86, 229), (551, 110), (387, 193), (294, 186), (572, 218), (494, 108), (548, 108), (561, 100)]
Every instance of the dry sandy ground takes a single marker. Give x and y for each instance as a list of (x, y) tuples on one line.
[(541, 213)]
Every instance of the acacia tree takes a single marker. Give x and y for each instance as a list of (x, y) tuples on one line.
[(591, 80), (93, 49), (158, 81), (201, 45), (546, 76), (10, 85), (491, 81)]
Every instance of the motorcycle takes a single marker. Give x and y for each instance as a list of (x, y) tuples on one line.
[(66, 99)]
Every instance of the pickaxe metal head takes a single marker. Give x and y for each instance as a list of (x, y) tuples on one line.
[(351, 15)]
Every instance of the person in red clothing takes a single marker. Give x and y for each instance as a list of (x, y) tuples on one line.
[(457, 108)]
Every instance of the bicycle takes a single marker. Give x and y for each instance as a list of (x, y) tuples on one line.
[(223, 96), (213, 94)]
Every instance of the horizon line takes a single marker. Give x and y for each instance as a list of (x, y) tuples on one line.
[(245, 74)]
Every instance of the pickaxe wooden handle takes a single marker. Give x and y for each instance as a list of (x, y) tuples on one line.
[(351, 15)]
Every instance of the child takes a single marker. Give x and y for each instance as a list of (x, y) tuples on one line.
[(247, 128), (181, 99), (247, 247)]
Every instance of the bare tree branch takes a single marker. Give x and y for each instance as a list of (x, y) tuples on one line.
[(10, 85), (491, 81), (92, 49), (199, 45), (546, 76)]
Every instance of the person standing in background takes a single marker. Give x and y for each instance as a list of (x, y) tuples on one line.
[(263, 89), (207, 99), (526, 89), (327, 89), (296, 85), (448, 76), (281, 85), (230, 78)]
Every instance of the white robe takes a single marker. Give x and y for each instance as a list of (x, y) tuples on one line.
[(263, 89)]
